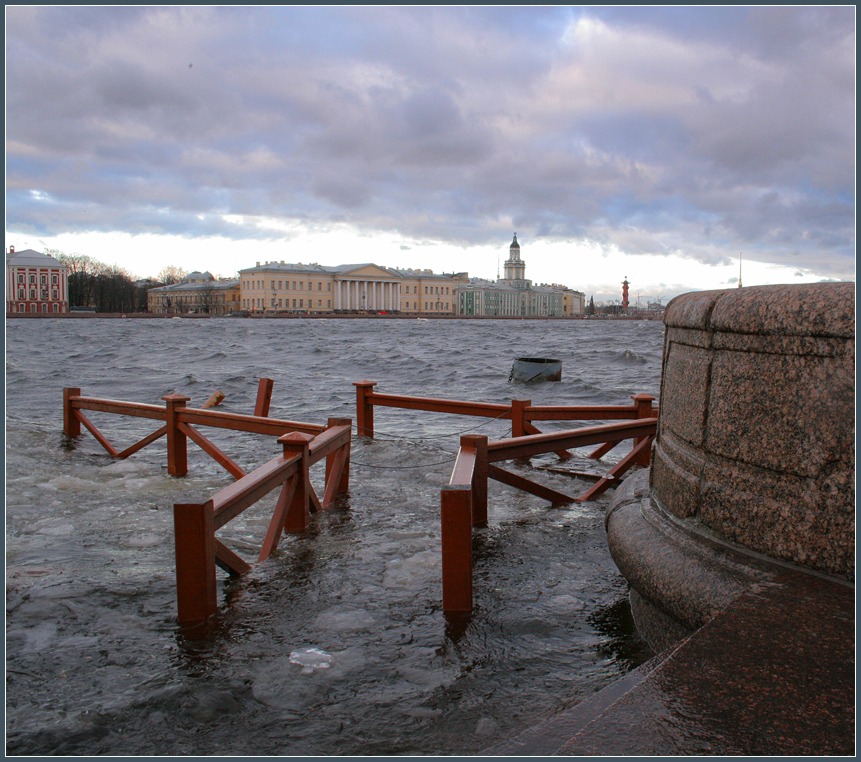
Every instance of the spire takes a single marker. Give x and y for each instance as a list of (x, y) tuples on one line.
[(739, 269)]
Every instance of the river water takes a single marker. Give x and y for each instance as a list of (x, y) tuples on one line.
[(337, 645)]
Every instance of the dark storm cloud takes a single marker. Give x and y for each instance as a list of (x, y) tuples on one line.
[(720, 129)]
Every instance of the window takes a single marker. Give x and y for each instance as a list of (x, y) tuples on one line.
[(319, 302), (43, 280), (33, 294), (300, 303), (328, 287), (21, 278), (54, 280), (294, 303), (33, 279), (309, 285), (56, 308), (21, 293), (21, 308), (319, 285)]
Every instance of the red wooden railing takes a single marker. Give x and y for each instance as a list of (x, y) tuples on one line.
[(180, 422), (521, 413), (463, 502), (198, 551)]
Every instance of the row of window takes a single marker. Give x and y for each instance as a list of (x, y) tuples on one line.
[(43, 279), (33, 308), (43, 294), (287, 285)]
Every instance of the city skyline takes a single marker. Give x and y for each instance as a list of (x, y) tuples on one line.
[(657, 144)]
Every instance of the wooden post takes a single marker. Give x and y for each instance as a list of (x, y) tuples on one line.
[(456, 520), (479, 477), (296, 443), (644, 410), (364, 408), (344, 481), (177, 443), (518, 417), (194, 539), (71, 422), (264, 397)]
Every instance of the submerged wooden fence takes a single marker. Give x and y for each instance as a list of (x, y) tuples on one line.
[(463, 502), (179, 423), (198, 550)]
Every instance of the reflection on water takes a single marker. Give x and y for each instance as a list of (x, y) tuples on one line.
[(95, 661)]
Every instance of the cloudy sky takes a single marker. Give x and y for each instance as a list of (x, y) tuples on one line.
[(657, 143)]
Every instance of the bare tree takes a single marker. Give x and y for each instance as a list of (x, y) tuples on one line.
[(170, 274), (83, 272)]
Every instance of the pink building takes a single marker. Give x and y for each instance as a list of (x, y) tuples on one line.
[(35, 282)]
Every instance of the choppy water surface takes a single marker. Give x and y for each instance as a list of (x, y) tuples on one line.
[(337, 644)]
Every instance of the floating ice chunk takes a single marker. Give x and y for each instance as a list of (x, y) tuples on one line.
[(72, 484), (310, 659), (411, 571)]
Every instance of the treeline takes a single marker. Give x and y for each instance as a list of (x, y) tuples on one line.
[(108, 288)]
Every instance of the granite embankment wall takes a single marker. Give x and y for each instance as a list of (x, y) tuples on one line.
[(756, 436)]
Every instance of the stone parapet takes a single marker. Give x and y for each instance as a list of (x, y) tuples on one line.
[(756, 435)]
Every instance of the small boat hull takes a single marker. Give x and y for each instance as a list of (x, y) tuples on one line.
[(528, 370)]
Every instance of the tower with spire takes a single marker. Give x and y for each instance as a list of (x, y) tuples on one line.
[(515, 268)]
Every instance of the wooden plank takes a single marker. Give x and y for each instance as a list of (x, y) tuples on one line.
[(118, 407), (527, 485), (226, 559), (524, 447), (436, 405), (233, 499), (97, 434), (213, 451), (219, 419), (279, 517), (620, 468), (147, 440)]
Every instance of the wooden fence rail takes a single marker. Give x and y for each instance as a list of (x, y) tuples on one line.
[(463, 501), (521, 413), (180, 422)]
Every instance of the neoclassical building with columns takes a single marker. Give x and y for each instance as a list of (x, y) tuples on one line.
[(273, 287)]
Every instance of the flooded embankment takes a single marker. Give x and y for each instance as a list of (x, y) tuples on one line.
[(337, 644)]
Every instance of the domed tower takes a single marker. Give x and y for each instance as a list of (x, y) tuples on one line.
[(515, 268)]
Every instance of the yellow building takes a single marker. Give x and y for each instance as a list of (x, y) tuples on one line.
[(275, 287), (197, 294)]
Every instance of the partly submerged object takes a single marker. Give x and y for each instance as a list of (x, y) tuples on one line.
[(528, 369)]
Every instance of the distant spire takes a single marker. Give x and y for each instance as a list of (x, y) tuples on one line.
[(739, 269)]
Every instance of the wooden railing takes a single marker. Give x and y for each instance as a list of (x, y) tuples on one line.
[(463, 502), (179, 423), (198, 550), (521, 413)]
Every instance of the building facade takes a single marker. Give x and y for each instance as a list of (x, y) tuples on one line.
[(196, 294), (515, 296), (35, 283), (363, 288)]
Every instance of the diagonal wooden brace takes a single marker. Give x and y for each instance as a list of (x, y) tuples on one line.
[(620, 468)]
